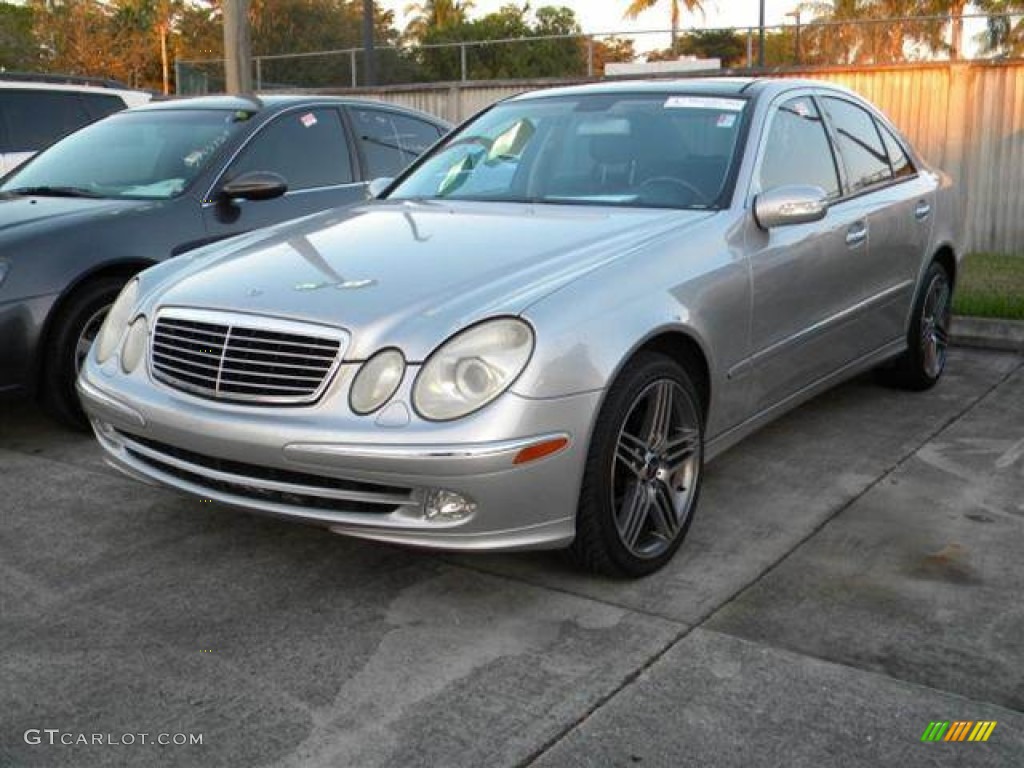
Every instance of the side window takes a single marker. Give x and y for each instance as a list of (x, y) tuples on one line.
[(390, 141), (36, 119), (901, 165), (307, 147), (102, 104), (798, 150), (860, 144)]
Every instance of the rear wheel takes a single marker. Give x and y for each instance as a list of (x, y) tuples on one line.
[(921, 366), (643, 471), (74, 330)]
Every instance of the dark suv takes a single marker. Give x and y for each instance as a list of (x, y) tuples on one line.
[(146, 184)]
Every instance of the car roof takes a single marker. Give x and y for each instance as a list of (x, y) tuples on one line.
[(272, 103), (752, 87), (131, 96), (711, 86)]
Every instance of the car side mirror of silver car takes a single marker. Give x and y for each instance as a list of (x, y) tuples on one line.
[(792, 204), (377, 186), (255, 185)]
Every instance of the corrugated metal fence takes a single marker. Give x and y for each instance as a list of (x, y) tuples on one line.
[(967, 119)]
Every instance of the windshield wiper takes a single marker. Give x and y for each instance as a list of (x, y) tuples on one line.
[(52, 191)]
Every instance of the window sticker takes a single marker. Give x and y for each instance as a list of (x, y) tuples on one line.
[(705, 102), (726, 120), (308, 119), (800, 107)]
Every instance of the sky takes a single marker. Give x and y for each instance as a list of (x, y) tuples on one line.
[(606, 15)]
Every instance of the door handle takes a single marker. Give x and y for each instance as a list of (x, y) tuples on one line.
[(922, 210), (856, 234)]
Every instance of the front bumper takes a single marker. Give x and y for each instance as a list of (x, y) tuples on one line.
[(349, 474), (21, 330)]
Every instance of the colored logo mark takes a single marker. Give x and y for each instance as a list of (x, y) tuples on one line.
[(958, 730)]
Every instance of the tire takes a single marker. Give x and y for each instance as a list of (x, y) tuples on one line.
[(643, 472), (74, 327), (922, 365)]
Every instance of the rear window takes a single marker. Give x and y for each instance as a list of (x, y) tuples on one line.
[(102, 104), (35, 119), (860, 144)]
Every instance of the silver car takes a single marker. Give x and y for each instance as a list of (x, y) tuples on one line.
[(538, 335)]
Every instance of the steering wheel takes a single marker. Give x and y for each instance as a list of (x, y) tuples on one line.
[(692, 191)]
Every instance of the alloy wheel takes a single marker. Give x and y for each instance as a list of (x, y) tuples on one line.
[(655, 469), (935, 326)]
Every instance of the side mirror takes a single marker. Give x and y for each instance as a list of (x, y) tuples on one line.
[(376, 187), (795, 204), (254, 185)]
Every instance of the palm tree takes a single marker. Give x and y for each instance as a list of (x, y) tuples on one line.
[(636, 7), (435, 14)]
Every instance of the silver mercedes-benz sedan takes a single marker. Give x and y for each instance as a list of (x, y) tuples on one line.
[(538, 335)]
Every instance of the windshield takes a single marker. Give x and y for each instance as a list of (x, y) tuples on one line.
[(649, 150), (148, 155)]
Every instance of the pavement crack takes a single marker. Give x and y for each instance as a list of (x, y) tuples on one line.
[(624, 683)]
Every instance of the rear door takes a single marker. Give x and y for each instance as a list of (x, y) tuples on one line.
[(895, 201), (388, 141), (309, 148), (807, 278)]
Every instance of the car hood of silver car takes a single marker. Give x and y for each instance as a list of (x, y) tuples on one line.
[(410, 273)]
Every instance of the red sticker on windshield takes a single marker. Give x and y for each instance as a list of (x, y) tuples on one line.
[(308, 119)]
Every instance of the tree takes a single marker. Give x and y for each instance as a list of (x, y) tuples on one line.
[(291, 27), (1004, 35), (637, 7), (612, 49), (724, 44), (525, 56), (850, 39), (76, 37), (19, 50), (143, 30), (431, 15)]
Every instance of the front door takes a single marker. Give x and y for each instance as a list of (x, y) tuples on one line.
[(310, 150), (806, 278)]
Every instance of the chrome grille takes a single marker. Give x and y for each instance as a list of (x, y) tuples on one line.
[(244, 358)]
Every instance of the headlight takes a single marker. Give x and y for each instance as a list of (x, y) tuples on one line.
[(116, 322), (472, 368), (134, 344), (377, 381)]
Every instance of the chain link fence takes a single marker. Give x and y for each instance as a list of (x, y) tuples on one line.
[(817, 43)]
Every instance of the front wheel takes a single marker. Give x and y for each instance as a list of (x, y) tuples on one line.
[(643, 471), (74, 330), (921, 366)]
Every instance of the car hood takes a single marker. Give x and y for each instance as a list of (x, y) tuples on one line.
[(29, 213), (411, 273)]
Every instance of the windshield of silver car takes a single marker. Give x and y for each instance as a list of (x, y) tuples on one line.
[(643, 150), (143, 155)]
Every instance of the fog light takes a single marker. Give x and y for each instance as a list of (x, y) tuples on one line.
[(443, 506)]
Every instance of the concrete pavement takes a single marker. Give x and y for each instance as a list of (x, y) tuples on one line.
[(852, 574)]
